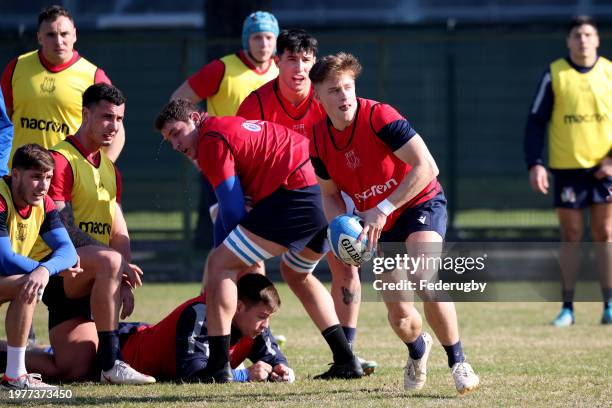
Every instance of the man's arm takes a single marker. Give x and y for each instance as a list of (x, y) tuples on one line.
[(6, 137), (120, 237), (56, 237), (185, 92), (333, 204), (78, 237), (424, 169)]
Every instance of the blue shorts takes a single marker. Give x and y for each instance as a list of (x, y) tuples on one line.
[(291, 218), (579, 188), (428, 216)]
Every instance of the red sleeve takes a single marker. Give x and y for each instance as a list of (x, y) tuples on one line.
[(6, 83), (206, 81), (119, 186), (49, 205), (215, 160), (251, 107), (62, 181), (382, 115), (3, 206), (101, 77)]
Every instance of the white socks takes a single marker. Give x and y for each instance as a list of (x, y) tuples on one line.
[(15, 362)]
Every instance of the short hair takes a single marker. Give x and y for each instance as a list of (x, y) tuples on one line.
[(52, 13), (580, 21), (254, 288), (296, 40), (102, 92), (333, 65), (175, 110), (33, 157)]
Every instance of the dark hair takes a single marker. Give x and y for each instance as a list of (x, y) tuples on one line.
[(51, 14), (254, 288), (33, 157), (102, 92), (296, 40), (334, 65), (175, 110), (580, 21)]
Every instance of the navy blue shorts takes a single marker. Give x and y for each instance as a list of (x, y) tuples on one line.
[(428, 216), (61, 308), (579, 188), (291, 218)]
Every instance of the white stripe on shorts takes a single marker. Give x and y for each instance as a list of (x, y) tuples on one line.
[(299, 263), (244, 248)]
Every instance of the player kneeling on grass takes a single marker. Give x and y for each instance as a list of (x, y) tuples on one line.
[(268, 163), (25, 213), (176, 348), (84, 309)]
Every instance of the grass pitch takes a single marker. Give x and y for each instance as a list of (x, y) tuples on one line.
[(522, 361)]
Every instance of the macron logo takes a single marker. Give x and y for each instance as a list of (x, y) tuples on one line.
[(421, 219), (375, 190)]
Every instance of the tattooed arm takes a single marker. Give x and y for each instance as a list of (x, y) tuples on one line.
[(78, 237)]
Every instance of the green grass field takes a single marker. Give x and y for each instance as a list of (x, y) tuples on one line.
[(522, 361), (465, 219)]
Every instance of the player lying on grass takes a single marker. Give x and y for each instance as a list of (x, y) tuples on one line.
[(176, 348), (268, 163)]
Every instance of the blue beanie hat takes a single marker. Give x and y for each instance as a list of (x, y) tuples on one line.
[(257, 22)]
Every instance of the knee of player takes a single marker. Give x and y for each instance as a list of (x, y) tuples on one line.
[(571, 234), (602, 233), (402, 315), (111, 263), (220, 266)]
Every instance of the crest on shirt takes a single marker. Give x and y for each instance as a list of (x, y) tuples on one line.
[(352, 160), (252, 126), (22, 231), (568, 195), (48, 85)]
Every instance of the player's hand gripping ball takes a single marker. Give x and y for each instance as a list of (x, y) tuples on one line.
[(342, 235)]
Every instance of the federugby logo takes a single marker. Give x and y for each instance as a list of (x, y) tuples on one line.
[(48, 85), (252, 125), (352, 160), (376, 190), (22, 231)]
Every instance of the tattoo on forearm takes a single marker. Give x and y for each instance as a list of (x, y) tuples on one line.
[(78, 237)]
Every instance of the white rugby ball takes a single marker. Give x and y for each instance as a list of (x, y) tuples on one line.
[(342, 235)]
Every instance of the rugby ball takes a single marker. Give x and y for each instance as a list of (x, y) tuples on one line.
[(342, 235)]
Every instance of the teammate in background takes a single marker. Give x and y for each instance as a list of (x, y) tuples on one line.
[(225, 82), (43, 88), (289, 100), (382, 146), (574, 106), (25, 213), (6, 137), (86, 189), (268, 163), (176, 347)]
